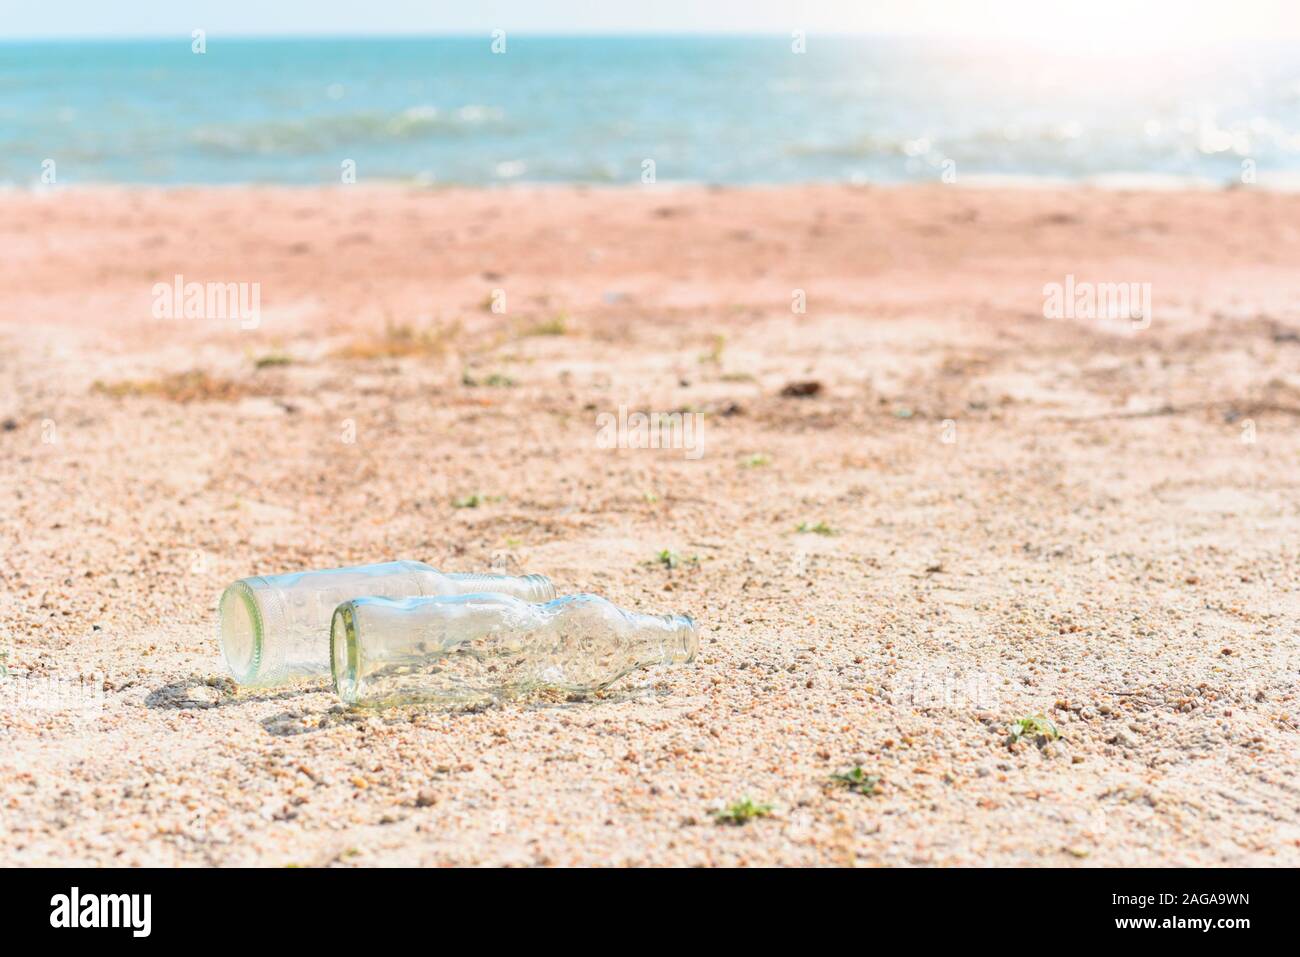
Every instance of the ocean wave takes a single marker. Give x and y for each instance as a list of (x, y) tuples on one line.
[(1068, 139), (296, 135)]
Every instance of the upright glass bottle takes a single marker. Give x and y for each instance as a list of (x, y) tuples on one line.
[(275, 629), (478, 647)]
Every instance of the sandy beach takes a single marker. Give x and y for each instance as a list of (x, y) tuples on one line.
[(921, 512)]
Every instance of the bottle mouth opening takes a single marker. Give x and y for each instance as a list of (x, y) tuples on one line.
[(242, 632), (343, 652), (543, 588), (686, 639)]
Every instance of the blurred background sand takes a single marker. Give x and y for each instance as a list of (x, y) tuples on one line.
[(1004, 516)]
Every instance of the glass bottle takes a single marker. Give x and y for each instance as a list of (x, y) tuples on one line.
[(470, 648), (275, 629)]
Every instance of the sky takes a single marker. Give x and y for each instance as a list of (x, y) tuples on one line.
[(1126, 23)]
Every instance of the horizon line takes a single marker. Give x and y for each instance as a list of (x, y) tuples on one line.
[(532, 34), (462, 35), (984, 39)]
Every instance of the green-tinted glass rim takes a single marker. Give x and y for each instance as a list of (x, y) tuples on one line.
[(346, 614), (244, 593)]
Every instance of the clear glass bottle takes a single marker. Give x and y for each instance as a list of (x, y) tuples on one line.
[(275, 629), (472, 648)]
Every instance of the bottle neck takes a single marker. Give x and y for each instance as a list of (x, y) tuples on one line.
[(675, 639), (534, 588)]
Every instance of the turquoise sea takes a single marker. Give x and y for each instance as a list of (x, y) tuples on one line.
[(592, 109)]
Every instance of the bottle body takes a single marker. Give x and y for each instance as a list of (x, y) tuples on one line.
[(468, 648), (275, 629)]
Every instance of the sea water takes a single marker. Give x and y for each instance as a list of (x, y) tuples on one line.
[(736, 110)]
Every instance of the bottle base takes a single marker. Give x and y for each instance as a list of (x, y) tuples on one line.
[(241, 632), (343, 653)]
